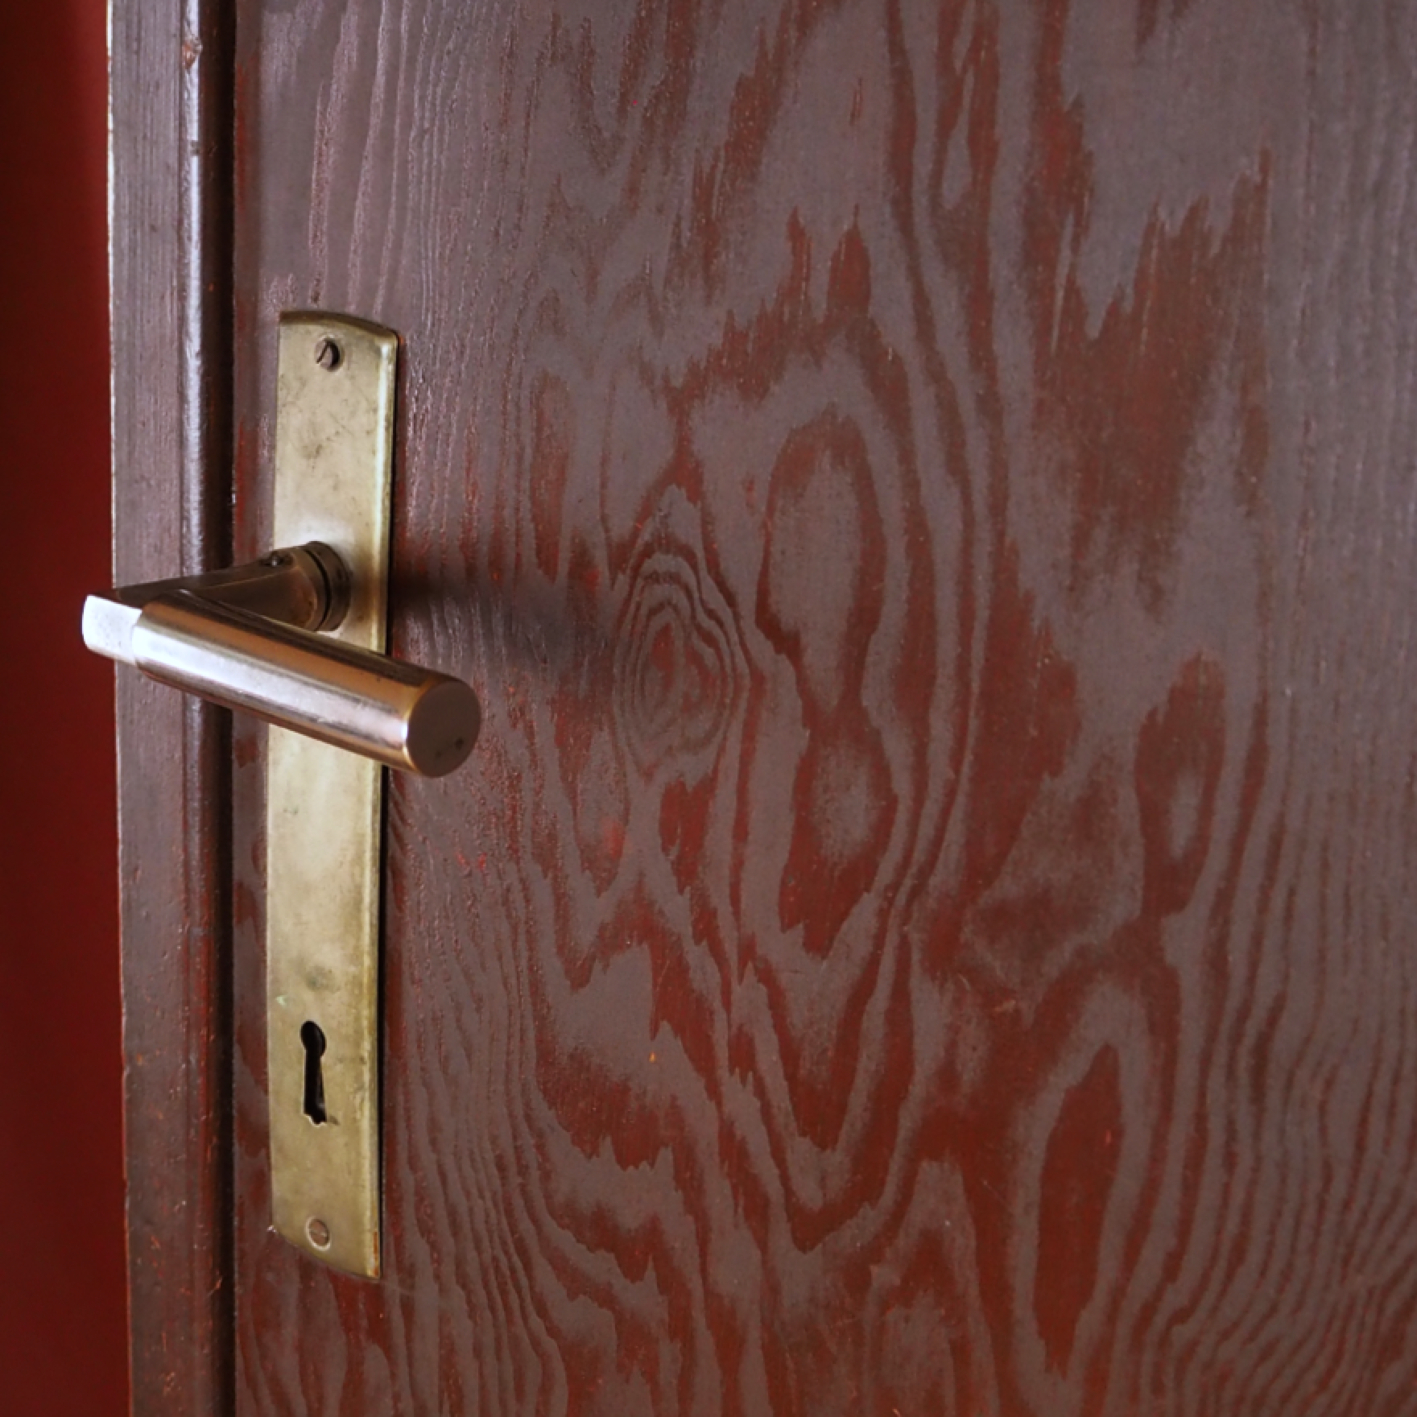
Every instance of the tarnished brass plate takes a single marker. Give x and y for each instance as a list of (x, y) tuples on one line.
[(333, 475)]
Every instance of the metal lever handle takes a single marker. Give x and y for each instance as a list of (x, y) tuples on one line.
[(247, 638)]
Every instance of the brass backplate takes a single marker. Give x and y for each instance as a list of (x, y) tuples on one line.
[(324, 809)]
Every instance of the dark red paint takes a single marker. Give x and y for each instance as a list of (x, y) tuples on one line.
[(62, 1310)]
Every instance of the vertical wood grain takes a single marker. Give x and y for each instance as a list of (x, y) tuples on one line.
[(170, 275), (925, 493)]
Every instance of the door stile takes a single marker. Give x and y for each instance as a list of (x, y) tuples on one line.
[(171, 86)]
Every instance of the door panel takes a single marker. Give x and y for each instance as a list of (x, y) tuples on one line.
[(922, 493)]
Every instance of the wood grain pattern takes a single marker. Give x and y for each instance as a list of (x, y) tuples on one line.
[(925, 493), (170, 274)]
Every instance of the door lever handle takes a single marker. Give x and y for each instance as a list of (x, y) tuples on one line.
[(248, 638), (296, 637)]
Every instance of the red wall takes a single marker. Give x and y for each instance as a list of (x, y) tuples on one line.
[(63, 1343)]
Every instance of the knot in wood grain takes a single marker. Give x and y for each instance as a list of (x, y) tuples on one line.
[(678, 670)]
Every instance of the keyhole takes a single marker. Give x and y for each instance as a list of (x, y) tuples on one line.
[(313, 1037)]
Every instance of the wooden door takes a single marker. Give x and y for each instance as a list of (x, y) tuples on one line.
[(925, 494)]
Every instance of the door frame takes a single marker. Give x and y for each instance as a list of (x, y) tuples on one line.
[(170, 221)]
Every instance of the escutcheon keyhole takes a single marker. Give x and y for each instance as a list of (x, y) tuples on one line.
[(313, 1037)]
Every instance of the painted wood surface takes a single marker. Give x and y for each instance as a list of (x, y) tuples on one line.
[(925, 492), (170, 275)]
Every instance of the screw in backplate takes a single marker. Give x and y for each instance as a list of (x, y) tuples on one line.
[(327, 354), (318, 1232)]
